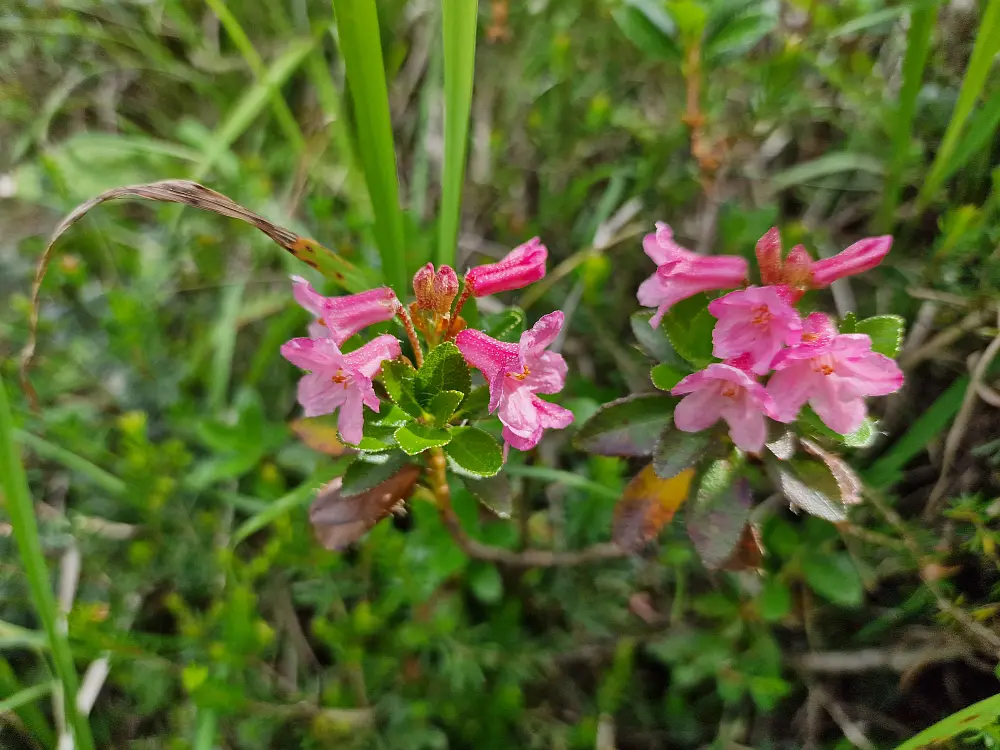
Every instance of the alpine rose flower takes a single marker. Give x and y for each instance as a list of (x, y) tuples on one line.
[(340, 381), (724, 391), (339, 318), (833, 372), (681, 273), (862, 256), (800, 272), (435, 291), (758, 321), (515, 373), (523, 265)]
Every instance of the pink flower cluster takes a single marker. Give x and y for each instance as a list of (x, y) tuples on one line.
[(759, 331), (516, 373)]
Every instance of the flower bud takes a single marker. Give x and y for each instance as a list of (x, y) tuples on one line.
[(423, 285), (862, 256), (523, 265), (445, 289)]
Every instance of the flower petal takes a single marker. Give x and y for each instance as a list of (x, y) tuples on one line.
[(351, 420), (540, 335), (368, 359), (547, 373), (859, 257), (746, 423), (699, 410), (839, 414), (307, 297), (552, 416), (486, 354), (312, 354), (789, 389), (319, 395)]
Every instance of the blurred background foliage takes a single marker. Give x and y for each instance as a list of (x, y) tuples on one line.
[(171, 490)]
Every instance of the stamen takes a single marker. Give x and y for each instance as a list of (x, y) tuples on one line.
[(761, 315), (522, 375)]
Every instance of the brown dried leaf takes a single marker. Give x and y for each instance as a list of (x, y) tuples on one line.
[(339, 521), (848, 482), (320, 434), (647, 505), (749, 552), (197, 196)]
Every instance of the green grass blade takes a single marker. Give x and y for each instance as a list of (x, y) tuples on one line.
[(253, 60), (224, 345), (982, 125), (918, 45), (253, 102), (985, 49), (25, 697), (32, 716), (17, 501), (565, 478), (458, 23), (75, 463), (886, 470), (361, 47)]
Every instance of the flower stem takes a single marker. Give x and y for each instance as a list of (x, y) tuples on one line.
[(411, 332), (453, 328)]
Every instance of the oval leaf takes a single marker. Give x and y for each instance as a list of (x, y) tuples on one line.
[(629, 426), (494, 492), (678, 450), (416, 438), (474, 451), (443, 406), (338, 520), (885, 331), (647, 505), (848, 483), (809, 485), (362, 476), (718, 516), (444, 369)]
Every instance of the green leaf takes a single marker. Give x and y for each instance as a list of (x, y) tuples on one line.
[(678, 450), (392, 416), (666, 376), (443, 406), (629, 426), (377, 437), (864, 436), (775, 600), (739, 36), (848, 324), (444, 369), (458, 26), (494, 492), (654, 341), (362, 475), (649, 27), (507, 325), (485, 582), (416, 438), (811, 486), (475, 451), (974, 718), (885, 331), (399, 379), (833, 576), (825, 166), (475, 404), (361, 49), (716, 518), (810, 423), (689, 325)]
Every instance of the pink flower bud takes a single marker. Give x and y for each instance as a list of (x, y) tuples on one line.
[(423, 285), (769, 257), (862, 256), (340, 318), (445, 288), (523, 265)]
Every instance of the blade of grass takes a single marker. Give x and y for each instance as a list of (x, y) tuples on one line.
[(361, 47), (983, 51), (918, 45), (78, 464), (224, 344), (19, 508), (25, 697), (982, 125), (458, 25), (253, 60), (562, 477), (885, 471), (32, 716)]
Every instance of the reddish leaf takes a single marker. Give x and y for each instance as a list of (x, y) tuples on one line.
[(647, 505), (339, 521), (320, 434), (749, 552), (848, 482), (718, 515)]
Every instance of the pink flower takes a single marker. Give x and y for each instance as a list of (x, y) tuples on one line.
[(758, 321), (862, 256), (340, 318), (833, 372), (515, 373), (523, 265), (435, 291), (681, 273), (337, 380), (800, 272), (722, 391)]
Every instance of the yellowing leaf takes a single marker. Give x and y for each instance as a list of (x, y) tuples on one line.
[(647, 505), (320, 434)]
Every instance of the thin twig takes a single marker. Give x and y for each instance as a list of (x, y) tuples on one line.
[(852, 732), (403, 314), (531, 558), (954, 440), (910, 359)]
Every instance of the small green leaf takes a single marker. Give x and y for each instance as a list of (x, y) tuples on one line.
[(416, 438), (975, 718), (647, 25), (399, 377), (811, 424), (485, 582), (775, 600), (494, 492), (689, 325), (678, 450), (885, 331), (361, 475), (666, 376), (476, 404), (849, 323), (719, 513), (629, 426), (443, 405), (811, 486), (833, 576), (444, 369), (507, 325), (864, 436), (392, 416), (474, 451), (377, 437), (654, 341)]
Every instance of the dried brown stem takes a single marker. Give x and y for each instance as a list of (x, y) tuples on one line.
[(531, 558)]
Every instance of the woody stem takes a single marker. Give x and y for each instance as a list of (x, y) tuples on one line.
[(463, 297), (437, 473), (411, 333)]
